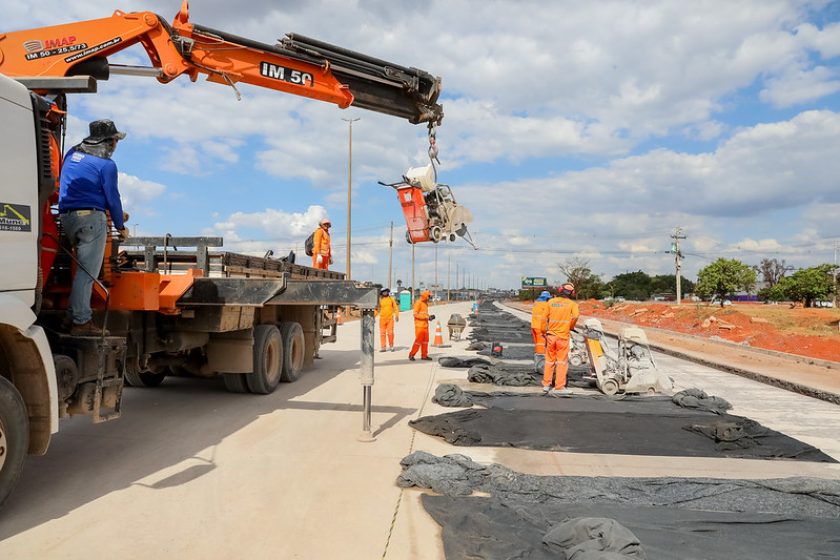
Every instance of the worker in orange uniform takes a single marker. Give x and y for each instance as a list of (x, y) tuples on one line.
[(539, 314), (562, 316), (321, 253), (389, 312), (421, 327)]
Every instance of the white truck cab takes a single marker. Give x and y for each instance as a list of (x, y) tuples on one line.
[(28, 394)]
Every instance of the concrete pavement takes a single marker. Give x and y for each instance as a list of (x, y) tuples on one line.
[(191, 471)]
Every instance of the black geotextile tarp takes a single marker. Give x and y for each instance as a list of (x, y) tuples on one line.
[(488, 528), (482, 370), (513, 351), (673, 518), (458, 362), (624, 427), (521, 375), (501, 334), (451, 395)]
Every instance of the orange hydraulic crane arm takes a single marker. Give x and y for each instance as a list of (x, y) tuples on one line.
[(298, 65)]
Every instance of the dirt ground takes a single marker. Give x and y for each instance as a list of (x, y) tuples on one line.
[(806, 332)]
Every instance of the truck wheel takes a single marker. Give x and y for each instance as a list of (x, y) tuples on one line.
[(143, 379), (14, 437), (268, 360), (235, 382), (294, 350)]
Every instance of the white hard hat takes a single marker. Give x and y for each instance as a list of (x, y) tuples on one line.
[(325, 221)]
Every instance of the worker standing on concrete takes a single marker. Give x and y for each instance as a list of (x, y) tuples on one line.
[(421, 327), (539, 315), (321, 253), (561, 318), (389, 312), (88, 188)]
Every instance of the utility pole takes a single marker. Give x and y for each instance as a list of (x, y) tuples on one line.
[(449, 279), (349, 185), (456, 278), (436, 277), (413, 287), (836, 298), (675, 248), (390, 254)]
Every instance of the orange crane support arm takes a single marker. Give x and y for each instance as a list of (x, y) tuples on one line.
[(298, 65)]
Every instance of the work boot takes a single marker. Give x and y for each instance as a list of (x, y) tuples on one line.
[(564, 392), (546, 388), (392, 348), (381, 349), (428, 359), (87, 329), (411, 358)]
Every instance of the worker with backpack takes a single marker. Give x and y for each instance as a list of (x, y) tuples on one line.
[(318, 245)]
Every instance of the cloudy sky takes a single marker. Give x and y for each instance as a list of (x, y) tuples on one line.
[(586, 129)]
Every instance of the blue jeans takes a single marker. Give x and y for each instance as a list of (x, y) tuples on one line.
[(88, 234)]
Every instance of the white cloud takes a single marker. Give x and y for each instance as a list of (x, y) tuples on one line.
[(800, 86), (137, 194), (747, 244)]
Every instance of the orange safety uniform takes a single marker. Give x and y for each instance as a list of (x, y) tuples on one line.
[(389, 312), (562, 316), (421, 326), (321, 246), (539, 315)]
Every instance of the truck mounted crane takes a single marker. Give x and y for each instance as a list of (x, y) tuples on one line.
[(255, 321)]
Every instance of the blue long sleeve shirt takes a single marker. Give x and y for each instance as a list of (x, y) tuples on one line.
[(90, 182)]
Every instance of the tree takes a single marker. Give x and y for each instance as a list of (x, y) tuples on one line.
[(724, 277), (772, 271), (806, 285), (587, 284), (631, 285), (667, 284)]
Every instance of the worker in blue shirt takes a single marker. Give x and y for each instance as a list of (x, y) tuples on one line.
[(88, 188)]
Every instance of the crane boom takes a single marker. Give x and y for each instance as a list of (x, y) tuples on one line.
[(297, 65)]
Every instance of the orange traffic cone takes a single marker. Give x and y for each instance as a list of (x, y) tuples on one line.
[(438, 342), (339, 319)]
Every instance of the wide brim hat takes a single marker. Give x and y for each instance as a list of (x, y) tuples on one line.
[(103, 130)]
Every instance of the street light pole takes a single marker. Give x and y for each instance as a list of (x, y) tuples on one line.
[(349, 186), (390, 254), (413, 287)]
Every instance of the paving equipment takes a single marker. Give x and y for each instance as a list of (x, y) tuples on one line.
[(171, 305), (632, 370)]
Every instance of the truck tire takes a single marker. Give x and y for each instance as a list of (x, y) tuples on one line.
[(235, 382), (268, 360), (143, 379), (294, 351), (14, 437)]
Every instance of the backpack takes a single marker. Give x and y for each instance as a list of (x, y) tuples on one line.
[(309, 244)]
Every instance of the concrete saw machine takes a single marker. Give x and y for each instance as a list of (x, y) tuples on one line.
[(632, 370), (430, 210)]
